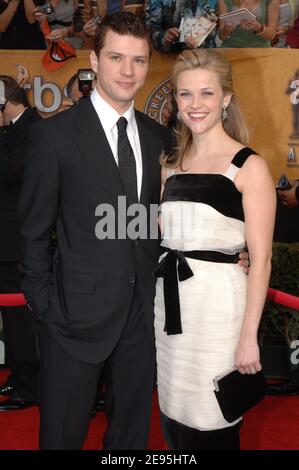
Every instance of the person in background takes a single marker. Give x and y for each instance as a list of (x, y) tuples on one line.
[(20, 349), (290, 199), (90, 12), (72, 92), (217, 196), (288, 12), (250, 33), (18, 26), (292, 39), (164, 17), (60, 20)]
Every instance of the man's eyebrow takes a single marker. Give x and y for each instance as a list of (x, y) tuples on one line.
[(122, 55)]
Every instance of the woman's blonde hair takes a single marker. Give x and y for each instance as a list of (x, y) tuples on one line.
[(234, 124)]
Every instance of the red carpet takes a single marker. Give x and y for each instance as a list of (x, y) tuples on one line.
[(272, 425)]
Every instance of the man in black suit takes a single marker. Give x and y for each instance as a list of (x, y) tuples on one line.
[(15, 120), (93, 299)]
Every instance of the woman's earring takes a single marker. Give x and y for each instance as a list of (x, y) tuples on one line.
[(178, 116), (224, 114)]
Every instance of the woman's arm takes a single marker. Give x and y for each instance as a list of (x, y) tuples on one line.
[(272, 20), (259, 203), (89, 27), (8, 14), (225, 29), (30, 7), (266, 31)]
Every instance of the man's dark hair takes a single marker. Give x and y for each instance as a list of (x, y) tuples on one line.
[(125, 24), (13, 92)]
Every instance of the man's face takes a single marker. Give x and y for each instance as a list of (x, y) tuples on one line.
[(121, 69)]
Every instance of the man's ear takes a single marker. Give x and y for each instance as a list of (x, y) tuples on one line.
[(94, 61)]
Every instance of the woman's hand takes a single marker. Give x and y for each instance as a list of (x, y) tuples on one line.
[(252, 25), (247, 356), (191, 42), (58, 34), (39, 15), (280, 32), (227, 30)]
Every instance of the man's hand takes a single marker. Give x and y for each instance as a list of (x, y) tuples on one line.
[(288, 196), (66, 104), (171, 35), (244, 261), (23, 74), (90, 29)]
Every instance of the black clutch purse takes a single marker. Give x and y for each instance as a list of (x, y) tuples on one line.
[(236, 393)]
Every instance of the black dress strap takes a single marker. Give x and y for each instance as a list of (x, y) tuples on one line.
[(241, 156)]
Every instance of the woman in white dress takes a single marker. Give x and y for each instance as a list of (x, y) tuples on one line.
[(217, 196)]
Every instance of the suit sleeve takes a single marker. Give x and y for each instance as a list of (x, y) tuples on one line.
[(37, 213), (11, 158)]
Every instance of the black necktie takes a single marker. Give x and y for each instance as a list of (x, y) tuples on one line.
[(9, 127), (126, 162)]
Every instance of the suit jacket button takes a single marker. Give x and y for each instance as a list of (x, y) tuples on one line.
[(132, 280)]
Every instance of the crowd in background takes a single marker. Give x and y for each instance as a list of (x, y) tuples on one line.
[(276, 22)]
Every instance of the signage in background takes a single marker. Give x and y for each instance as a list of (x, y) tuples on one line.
[(266, 82)]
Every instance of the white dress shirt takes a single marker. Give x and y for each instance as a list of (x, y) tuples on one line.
[(109, 117), (15, 119)]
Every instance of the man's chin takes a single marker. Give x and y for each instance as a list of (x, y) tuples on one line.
[(127, 95)]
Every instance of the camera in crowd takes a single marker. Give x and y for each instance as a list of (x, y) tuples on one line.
[(43, 7), (97, 19), (85, 79)]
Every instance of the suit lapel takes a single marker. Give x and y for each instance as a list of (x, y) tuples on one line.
[(91, 140), (146, 144), (22, 121)]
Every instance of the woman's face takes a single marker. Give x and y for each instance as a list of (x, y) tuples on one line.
[(200, 99)]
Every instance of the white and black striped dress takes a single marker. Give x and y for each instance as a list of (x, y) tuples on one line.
[(201, 212)]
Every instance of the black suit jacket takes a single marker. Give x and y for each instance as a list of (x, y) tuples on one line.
[(12, 150), (84, 292)]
